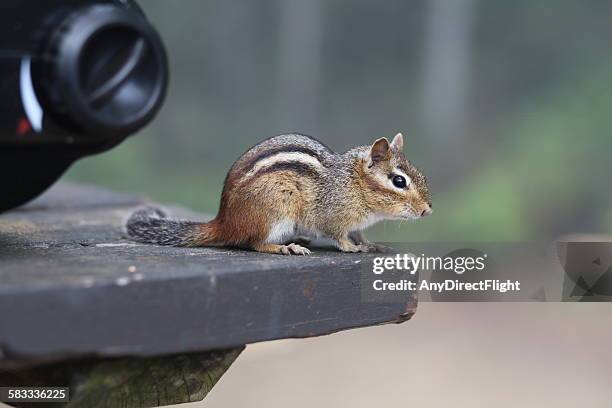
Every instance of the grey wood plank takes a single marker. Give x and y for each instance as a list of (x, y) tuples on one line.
[(71, 284)]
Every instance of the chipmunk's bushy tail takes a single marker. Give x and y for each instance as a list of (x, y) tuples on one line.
[(151, 225)]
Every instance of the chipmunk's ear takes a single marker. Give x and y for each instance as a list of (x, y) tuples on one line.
[(398, 142), (380, 151)]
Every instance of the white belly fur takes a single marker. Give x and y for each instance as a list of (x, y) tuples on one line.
[(371, 220), (280, 231)]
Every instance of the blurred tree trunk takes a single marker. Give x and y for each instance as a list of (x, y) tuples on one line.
[(299, 64), (232, 54), (447, 57)]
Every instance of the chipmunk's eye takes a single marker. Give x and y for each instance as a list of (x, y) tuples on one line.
[(399, 181)]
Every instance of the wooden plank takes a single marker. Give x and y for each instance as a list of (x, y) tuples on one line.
[(128, 382), (71, 284)]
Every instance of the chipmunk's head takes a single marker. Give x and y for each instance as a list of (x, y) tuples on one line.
[(394, 188)]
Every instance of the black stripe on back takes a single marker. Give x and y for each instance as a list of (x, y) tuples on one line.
[(294, 166), (281, 149)]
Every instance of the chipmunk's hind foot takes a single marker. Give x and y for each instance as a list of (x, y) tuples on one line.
[(289, 249), (294, 249)]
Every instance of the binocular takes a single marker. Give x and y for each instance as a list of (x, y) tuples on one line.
[(76, 78)]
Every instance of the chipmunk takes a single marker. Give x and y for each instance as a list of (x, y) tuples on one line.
[(290, 185)]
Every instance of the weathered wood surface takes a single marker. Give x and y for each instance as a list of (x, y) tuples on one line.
[(71, 284), (128, 382)]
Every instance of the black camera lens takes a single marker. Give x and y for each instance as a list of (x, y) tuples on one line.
[(104, 71), (76, 77)]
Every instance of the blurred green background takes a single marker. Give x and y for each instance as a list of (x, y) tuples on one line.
[(505, 106)]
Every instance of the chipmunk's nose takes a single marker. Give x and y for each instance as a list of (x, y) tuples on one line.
[(426, 211)]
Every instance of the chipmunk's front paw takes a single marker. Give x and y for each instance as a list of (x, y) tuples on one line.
[(357, 238), (374, 247), (294, 249), (348, 246)]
